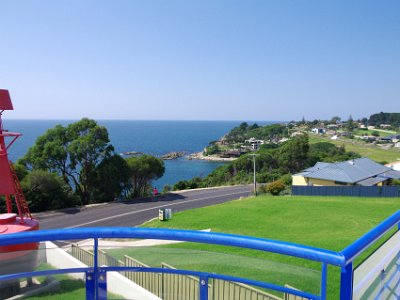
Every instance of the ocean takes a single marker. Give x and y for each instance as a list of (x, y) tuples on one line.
[(150, 137)]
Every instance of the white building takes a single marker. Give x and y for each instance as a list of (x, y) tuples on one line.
[(318, 130), (254, 143)]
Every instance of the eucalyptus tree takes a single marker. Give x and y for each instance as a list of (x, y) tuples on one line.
[(144, 169), (75, 152)]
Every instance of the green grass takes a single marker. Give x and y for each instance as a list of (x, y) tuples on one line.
[(324, 222), (382, 133), (70, 288), (360, 147)]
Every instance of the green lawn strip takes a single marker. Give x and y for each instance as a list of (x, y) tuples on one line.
[(324, 222), (367, 150)]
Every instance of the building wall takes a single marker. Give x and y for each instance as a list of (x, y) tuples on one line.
[(321, 182), (301, 180)]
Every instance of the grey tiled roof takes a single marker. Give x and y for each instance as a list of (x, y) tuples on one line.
[(390, 174), (371, 181), (352, 171)]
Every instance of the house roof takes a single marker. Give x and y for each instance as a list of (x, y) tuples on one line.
[(391, 137), (352, 171), (371, 181)]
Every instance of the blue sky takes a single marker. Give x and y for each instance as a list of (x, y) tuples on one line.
[(200, 60)]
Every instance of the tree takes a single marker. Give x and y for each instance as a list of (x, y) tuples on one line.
[(88, 147), (254, 126), (144, 169), (46, 191), (292, 156), (335, 120), (244, 126), (112, 179), (350, 125), (74, 152)]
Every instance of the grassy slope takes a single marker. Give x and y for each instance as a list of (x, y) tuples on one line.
[(371, 151), (328, 222)]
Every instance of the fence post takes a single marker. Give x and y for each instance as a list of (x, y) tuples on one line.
[(346, 282), (203, 287)]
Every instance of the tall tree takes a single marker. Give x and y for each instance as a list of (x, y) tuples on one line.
[(143, 170), (292, 156), (45, 191), (74, 152), (112, 179), (350, 125)]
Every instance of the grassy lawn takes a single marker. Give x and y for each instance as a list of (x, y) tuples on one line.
[(367, 150), (382, 133), (325, 222)]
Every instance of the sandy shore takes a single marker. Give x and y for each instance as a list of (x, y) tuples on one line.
[(200, 156)]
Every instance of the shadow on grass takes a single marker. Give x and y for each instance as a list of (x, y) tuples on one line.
[(67, 286)]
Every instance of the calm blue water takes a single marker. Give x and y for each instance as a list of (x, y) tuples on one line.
[(151, 137)]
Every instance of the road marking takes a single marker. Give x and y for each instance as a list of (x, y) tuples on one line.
[(147, 209)]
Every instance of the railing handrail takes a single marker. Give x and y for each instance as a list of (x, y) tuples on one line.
[(352, 251), (285, 248)]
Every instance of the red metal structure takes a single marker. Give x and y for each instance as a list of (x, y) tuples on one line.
[(22, 257)]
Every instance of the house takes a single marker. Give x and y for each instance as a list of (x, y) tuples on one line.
[(344, 133), (333, 126), (297, 133), (369, 138), (318, 130), (254, 143), (391, 138), (361, 171), (385, 126)]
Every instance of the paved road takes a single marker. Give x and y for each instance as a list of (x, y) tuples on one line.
[(137, 212)]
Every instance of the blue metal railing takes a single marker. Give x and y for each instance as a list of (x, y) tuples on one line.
[(96, 277)]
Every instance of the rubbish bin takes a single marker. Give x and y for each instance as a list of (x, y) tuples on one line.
[(161, 214), (164, 214), (168, 213)]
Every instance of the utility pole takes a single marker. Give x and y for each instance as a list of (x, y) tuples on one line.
[(254, 170)]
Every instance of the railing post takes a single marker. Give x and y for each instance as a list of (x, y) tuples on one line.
[(96, 267), (346, 282), (324, 276), (102, 285), (90, 285), (203, 287)]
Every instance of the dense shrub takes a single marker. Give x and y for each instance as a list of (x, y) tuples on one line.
[(276, 187), (262, 189), (46, 191), (286, 179)]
